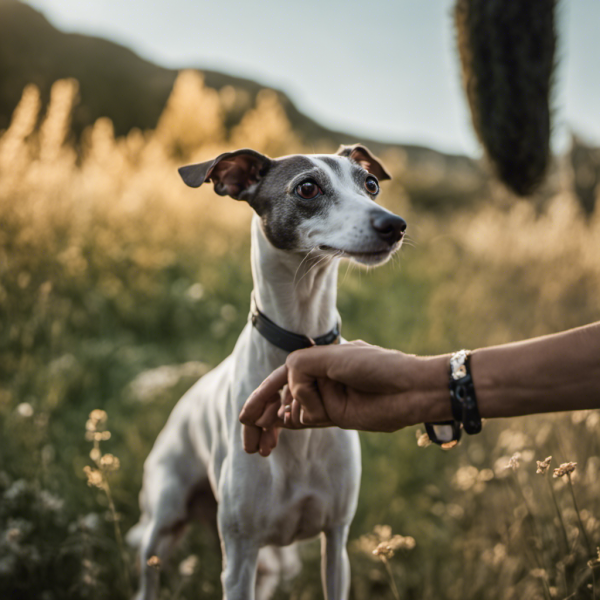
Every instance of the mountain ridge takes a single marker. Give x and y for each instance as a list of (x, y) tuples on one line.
[(117, 83)]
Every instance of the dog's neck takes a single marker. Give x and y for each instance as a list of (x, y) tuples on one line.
[(297, 292)]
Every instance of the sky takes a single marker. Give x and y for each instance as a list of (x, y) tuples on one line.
[(383, 69)]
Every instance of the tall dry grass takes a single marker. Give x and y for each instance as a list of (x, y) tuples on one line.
[(119, 286)]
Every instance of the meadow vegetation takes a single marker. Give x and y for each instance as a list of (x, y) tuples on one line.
[(120, 286)]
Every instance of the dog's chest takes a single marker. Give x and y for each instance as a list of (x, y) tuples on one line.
[(309, 497)]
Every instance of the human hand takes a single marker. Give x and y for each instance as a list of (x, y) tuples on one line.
[(353, 386)]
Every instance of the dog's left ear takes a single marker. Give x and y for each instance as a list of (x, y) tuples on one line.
[(233, 173), (365, 159)]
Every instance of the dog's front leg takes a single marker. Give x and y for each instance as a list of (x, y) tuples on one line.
[(335, 566), (240, 556)]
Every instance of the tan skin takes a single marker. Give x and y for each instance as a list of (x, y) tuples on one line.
[(359, 386)]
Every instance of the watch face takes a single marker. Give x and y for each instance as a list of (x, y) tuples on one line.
[(458, 368)]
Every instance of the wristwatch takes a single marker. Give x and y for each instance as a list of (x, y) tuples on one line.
[(463, 402)]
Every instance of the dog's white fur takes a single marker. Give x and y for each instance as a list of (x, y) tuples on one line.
[(310, 483)]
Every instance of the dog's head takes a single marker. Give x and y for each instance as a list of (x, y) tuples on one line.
[(308, 202)]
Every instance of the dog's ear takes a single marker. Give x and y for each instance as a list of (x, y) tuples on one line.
[(234, 174), (365, 159)]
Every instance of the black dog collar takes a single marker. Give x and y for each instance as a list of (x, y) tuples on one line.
[(286, 340)]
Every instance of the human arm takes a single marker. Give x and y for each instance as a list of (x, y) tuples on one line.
[(358, 386)]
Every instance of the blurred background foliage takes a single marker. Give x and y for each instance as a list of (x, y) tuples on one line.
[(119, 287)]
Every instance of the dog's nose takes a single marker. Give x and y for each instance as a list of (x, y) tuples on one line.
[(390, 228)]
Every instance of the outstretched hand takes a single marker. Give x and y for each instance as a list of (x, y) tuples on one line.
[(352, 386)]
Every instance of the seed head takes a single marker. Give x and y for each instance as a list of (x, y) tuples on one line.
[(543, 465), (398, 542), (423, 439), (564, 469), (513, 463), (94, 477), (449, 445), (594, 562), (188, 566), (97, 436), (110, 462), (97, 420)]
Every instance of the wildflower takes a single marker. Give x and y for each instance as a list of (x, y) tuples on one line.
[(513, 463), (384, 532), (97, 436), (398, 542), (110, 462), (13, 534), (94, 477), (565, 469), (95, 454), (423, 439), (382, 544), (594, 562), (154, 562), (97, 418), (449, 445), (538, 573), (25, 410), (543, 465), (188, 566)]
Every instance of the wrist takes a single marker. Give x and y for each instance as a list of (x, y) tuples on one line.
[(431, 397)]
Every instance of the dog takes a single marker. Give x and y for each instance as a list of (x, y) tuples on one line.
[(310, 212)]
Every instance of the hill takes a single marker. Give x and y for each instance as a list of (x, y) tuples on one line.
[(132, 92)]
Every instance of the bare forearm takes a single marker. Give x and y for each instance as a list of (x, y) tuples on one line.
[(548, 374)]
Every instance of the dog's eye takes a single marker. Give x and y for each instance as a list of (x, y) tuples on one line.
[(371, 185), (308, 190)]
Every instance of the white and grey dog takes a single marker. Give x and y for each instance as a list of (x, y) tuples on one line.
[(310, 212)]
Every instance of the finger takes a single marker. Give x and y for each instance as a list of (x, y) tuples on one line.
[(295, 416), (286, 397), (251, 438), (266, 393), (268, 441), (304, 367), (307, 420), (269, 418)]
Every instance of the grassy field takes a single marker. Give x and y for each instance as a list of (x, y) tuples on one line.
[(119, 287)]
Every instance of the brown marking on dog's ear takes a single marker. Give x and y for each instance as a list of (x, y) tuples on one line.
[(362, 156), (233, 173)]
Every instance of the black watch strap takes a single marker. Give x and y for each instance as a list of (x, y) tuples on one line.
[(462, 393)]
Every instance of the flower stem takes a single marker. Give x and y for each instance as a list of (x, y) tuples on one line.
[(392, 580), (585, 537), (118, 535), (559, 514)]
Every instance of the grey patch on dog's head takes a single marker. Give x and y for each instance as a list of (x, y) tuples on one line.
[(281, 209), (362, 156)]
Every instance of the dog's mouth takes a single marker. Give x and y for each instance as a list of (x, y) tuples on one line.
[(372, 257)]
